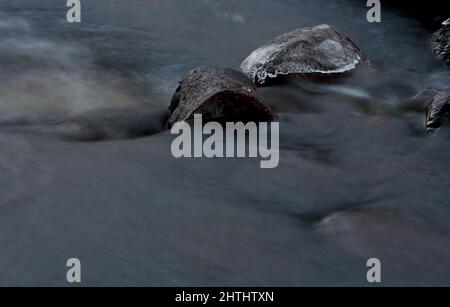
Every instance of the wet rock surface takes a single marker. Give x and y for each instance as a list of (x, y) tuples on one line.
[(438, 109), (441, 42), (219, 94), (316, 50)]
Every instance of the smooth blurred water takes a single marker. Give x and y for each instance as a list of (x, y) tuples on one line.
[(359, 177)]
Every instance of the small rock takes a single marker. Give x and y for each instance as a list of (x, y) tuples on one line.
[(219, 94), (438, 108), (319, 50)]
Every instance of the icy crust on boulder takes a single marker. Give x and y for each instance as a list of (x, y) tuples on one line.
[(321, 50)]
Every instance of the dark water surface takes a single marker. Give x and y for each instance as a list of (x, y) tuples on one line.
[(358, 178)]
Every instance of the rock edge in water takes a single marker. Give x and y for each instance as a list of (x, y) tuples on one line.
[(437, 109)]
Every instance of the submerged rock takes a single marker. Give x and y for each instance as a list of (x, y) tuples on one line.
[(438, 108), (441, 42), (219, 94), (107, 124), (97, 125), (418, 102), (315, 50)]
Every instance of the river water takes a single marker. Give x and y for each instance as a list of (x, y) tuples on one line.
[(359, 177)]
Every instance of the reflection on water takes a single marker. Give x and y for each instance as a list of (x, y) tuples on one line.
[(358, 175)]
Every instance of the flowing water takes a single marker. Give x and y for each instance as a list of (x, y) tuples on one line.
[(359, 177)]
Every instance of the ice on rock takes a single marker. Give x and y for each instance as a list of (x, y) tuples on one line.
[(315, 50)]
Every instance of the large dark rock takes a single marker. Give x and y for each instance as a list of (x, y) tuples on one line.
[(320, 50), (438, 109), (219, 94), (441, 42)]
